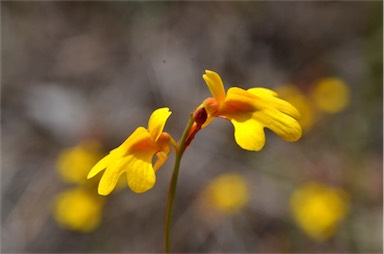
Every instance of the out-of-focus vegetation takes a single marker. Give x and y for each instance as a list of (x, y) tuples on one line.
[(79, 77)]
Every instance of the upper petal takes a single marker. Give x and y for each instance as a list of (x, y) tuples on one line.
[(215, 85), (157, 122)]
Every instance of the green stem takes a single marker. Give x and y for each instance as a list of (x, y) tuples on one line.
[(173, 183)]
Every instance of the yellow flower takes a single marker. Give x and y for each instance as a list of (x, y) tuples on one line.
[(227, 193), (330, 95), (134, 156), (78, 209), (250, 111), (318, 209), (74, 163), (294, 96)]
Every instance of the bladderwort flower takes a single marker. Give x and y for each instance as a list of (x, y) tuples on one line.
[(318, 209), (330, 95), (250, 111), (134, 156), (226, 194), (78, 209), (73, 163)]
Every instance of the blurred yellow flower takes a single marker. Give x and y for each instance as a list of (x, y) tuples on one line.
[(250, 111), (318, 209), (74, 163), (294, 96), (227, 193), (78, 209), (330, 95), (134, 156)]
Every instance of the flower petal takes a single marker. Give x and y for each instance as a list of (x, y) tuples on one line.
[(276, 114), (102, 164), (138, 163), (261, 91), (263, 106), (249, 127), (283, 125), (110, 177), (139, 136), (269, 97), (157, 122), (249, 133), (140, 173), (215, 85), (240, 100)]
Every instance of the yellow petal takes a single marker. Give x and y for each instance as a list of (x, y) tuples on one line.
[(134, 157), (261, 91), (276, 114), (268, 98), (254, 99), (215, 85), (249, 127), (140, 173), (138, 137), (110, 177), (283, 125), (249, 133), (157, 122), (266, 110), (102, 164)]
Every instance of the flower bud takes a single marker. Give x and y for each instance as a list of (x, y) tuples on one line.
[(200, 116)]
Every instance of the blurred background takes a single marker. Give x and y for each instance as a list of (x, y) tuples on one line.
[(79, 77)]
